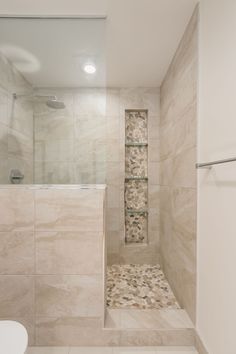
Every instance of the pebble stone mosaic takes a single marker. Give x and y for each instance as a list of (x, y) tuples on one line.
[(136, 227), (139, 287), (136, 166), (136, 195)]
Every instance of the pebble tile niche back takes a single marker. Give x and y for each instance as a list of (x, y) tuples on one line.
[(136, 180)]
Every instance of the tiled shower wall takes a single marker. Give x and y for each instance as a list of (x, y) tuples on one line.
[(16, 124), (85, 143), (119, 100), (178, 173)]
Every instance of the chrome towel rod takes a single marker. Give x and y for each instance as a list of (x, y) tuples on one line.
[(209, 164)]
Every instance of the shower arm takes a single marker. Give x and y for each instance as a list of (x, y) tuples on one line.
[(50, 97)]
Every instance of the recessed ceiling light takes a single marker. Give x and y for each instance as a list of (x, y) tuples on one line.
[(89, 69)]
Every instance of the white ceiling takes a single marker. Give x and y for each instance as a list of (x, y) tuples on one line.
[(142, 37), (133, 50)]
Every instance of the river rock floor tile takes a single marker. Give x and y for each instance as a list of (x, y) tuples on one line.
[(139, 287)]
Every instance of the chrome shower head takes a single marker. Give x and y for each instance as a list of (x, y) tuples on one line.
[(54, 103), (50, 101)]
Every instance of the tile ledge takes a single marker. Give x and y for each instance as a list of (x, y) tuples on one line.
[(53, 186)]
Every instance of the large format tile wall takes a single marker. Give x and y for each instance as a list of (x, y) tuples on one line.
[(51, 262), (16, 124), (118, 101), (85, 143), (178, 174)]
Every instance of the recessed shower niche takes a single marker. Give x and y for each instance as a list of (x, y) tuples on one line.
[(136, 179)]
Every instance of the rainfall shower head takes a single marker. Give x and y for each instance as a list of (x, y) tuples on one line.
[(49, 100), (54, 103)]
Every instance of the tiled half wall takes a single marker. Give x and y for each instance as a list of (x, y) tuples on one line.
[(51, 262)]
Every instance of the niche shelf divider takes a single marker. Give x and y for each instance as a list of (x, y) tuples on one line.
[(136, 176)]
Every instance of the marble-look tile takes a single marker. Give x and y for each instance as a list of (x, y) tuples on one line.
[(153, 319), (16, 210), (199, 345), (3, 139), (150, 337), (153, 195), (113, 242), (69, 295), (113, 196), (69, 210), (4, 175), (4, 104), (154, 150), (113, 150), (153, 127), (69, 252), (184, 171), (53, 150), (141, 253), (115, 173), (90, 101), (90, 172), (90, 350), (21, 115), (48, 350), (149, 318), (74, 331), (17, 252), (114, 127), (112, 102), (54, 172), (90, 149), (140, 338), (54, 125), (17, 296), (154, 172), (132, 350), (140, 98), (90, 127), (178, 173)]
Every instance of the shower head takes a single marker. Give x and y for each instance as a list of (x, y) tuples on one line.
[(54, 103), (49, 100)]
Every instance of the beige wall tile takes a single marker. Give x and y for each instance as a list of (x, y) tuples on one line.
[(178, 173), (184, 170), (74, 331), (69, 252), (16, 209), (69, 210), (17, 252), (69, 295), (17, 296)]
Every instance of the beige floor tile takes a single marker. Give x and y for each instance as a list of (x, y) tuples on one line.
[(47, 350), (133, 350), (91, 350)]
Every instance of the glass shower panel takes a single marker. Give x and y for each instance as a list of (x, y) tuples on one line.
[(53, 126)]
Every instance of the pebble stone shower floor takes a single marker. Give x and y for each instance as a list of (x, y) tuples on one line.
[(139, 287)]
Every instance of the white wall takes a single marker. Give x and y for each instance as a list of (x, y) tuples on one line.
[(216, 314)]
